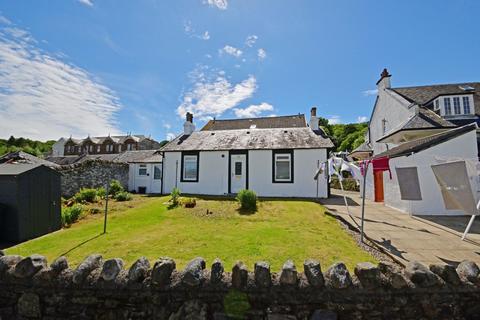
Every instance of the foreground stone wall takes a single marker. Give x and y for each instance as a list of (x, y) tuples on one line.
[(91, 174), (99, 289)]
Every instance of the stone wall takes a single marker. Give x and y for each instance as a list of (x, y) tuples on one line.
[(91, 174), (99, 289)]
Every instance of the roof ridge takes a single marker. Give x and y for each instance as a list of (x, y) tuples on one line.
[(266, 117), (436, 85)]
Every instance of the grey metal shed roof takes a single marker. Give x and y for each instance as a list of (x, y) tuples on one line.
[(12, 169), (249, 139)]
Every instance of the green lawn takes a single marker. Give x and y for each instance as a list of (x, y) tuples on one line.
[(278, 231)]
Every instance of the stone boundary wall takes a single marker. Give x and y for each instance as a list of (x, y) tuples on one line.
[(91, 174), (99, 289)]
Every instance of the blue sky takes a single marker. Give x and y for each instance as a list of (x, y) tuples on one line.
[(78, 67)]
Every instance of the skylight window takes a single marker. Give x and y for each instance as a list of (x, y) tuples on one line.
[(467, 88), (253, 126)]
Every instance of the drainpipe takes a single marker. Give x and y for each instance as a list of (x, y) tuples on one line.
[(161, 183)]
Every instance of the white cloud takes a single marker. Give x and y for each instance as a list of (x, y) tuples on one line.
[(212, 94), (231, 51), (86, 2), (190, 31), (43, 97), (362, 119), (372, 92), (262, 54), (220, 4), (167, 126), (334, 119), (205, 36), (170, 136), (4, 20), (250, 41), (253, 110)]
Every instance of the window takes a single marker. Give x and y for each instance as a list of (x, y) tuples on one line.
[(283, 166), (238, 168), (437, 104), (157, 172), (129, 147), (466, 105), (189, 167), (456, 105), (448, 106), (90, 147), (119, 148), (98, 149), (142, 170)]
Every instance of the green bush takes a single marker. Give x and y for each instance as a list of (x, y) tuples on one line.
[(101, 192), (247, 200), (115, 187), (123, 196), (86, 195), (71, 214), (349, 184), (175, 197), (189, 202)]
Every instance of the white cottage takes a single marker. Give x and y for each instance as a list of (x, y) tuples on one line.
[(274, 156)]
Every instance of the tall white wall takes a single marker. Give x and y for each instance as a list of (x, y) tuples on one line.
[(432, 201), (394, 109), (58, 148), (213, 174)]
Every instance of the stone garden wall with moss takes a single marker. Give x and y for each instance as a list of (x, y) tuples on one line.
[(98, 289), (91, 174)]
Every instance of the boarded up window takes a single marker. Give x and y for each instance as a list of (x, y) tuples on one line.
[(408, 183)]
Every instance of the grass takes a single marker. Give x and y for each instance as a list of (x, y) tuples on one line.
[(279, 230)]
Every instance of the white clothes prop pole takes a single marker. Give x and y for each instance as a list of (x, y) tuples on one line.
[(468, 227), (344, 196), (363, 201)]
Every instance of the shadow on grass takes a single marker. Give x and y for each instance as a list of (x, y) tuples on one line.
[(81, 244), (247, 212)]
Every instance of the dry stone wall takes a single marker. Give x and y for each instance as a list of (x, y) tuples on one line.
[(91, 174), (99, 289)]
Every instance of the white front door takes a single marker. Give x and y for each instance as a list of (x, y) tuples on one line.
[(238, 172), (156, 178)]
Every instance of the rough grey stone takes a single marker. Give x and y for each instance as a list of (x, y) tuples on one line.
[(59, 264), (239, 275), (323, 315), (6, 262), (313, 272), (468, 271), (29, 305), (91, 263), (420, 274), (193, 273), (139, 270), (162, 271), (337, 276), (288, 275), (446, 272), (29, 266), (280, 316), (393, 274), (191, 310), (2, 253), (263, 277), (368, 274), (111, 268), (216, 274)]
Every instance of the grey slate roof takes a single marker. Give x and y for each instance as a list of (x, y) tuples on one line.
[(124, 157), (116, 139), (249, 139), (23, 157), (417, 145), (424, 94), (138, 156), (364, 147), (11, 169), (294, 121)]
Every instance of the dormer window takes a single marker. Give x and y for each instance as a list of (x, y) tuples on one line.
[(466, 105), (456, 105), (448, 106)]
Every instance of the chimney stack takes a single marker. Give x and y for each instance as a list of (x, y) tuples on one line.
[(188, 126), (313, 119), (384, 81)]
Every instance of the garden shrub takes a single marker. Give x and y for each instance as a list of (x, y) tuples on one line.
[(189, 203), (115, 187), (101, 192), (123, 196), (247, 200), (94, 210), (175, 197), (349, 184), (86, 195), (71, 214)]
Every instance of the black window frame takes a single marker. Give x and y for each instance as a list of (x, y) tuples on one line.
[(182, 166), (292, 165)]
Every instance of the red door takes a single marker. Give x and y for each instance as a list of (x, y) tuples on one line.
[(378, 185)]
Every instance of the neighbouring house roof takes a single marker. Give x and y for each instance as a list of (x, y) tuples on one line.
[(124, 157), (424, 94), (417, 145), (116, 139), (26, 158), (249, 139), (294, 121), (139, 156), (363, 150), (12, 169)]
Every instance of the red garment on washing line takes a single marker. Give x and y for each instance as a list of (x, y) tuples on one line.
[(381, 164)]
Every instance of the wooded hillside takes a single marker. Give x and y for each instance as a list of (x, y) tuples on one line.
[(37, 148), (346, 137)]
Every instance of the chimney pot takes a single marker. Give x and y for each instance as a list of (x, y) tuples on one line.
[(384, 81), (189, 117), (313, 112)]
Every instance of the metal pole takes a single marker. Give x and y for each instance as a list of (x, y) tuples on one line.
[(107, 191), (363, 201)]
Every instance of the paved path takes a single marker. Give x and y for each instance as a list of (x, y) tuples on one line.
[(428, 239)]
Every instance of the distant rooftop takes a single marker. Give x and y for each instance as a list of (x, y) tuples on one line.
[(293, 121)]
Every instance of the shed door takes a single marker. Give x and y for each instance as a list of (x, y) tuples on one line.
[(238, 172), (378, 185)]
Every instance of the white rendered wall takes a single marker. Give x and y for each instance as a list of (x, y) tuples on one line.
[(135, 180), (58, 148), (462, 147)]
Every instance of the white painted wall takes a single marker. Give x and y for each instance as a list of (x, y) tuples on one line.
[(213, 174), (58, 148), (135, 180), (432, 201)]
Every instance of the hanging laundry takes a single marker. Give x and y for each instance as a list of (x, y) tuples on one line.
[(381, 164), (409, 184)]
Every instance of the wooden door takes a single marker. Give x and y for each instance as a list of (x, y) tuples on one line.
[(378, 185)]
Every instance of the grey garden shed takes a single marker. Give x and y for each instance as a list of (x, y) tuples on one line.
[(29, 201)]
